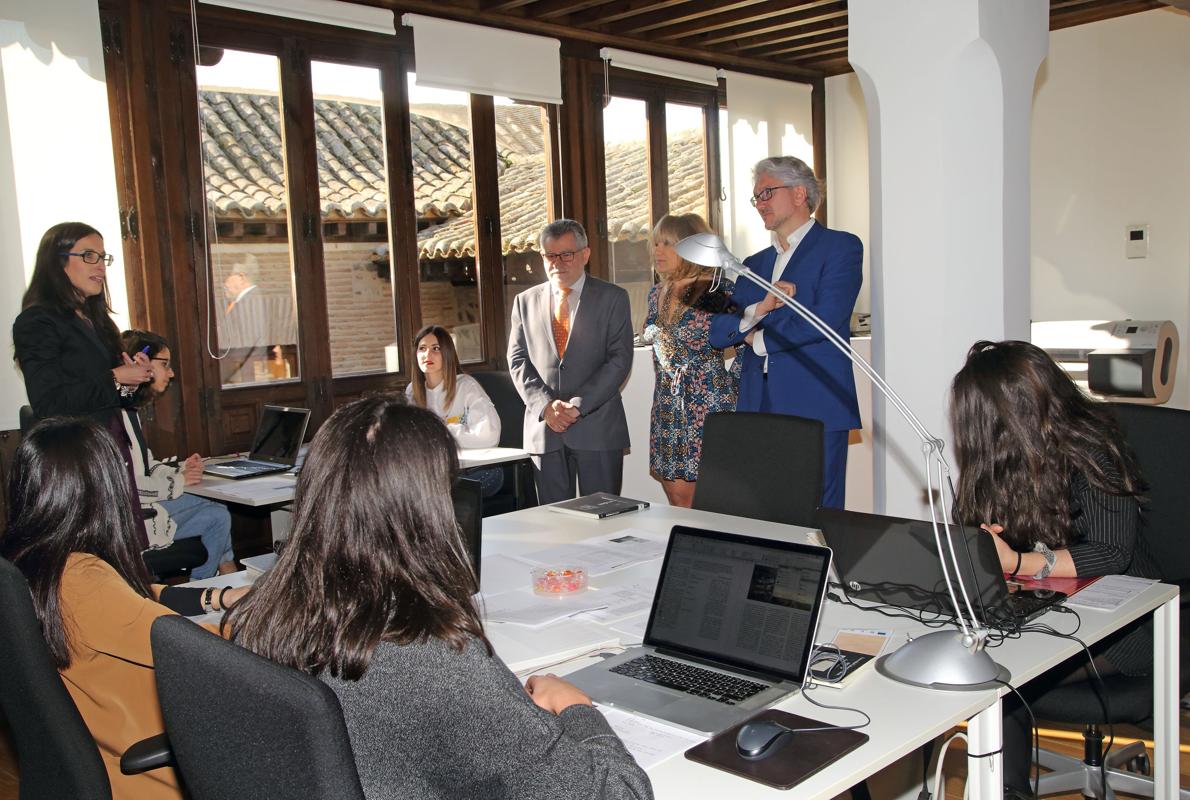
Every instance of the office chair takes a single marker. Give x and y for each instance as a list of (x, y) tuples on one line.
[(56, 754), (27, 419), (467, 496), (761, 466), (242, 726), (1160, 439), (518, 480)]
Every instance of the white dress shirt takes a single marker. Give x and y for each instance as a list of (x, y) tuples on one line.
[(750, 317)]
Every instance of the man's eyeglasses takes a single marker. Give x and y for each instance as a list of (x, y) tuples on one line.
[(164, 362), (94, 257), (564, 257), (765, 195)]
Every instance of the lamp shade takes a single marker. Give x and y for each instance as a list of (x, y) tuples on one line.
[(704, 249)]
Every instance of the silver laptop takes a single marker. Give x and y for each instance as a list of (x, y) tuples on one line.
[(731, 631), (275, 446)]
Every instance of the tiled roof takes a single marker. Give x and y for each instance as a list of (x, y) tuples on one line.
[(245, 172)]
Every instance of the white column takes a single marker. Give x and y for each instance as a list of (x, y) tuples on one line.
[(948, 86)]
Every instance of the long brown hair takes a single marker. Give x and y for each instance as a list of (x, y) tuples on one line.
[(375, 554), (68, 493), (672, 301), (51, 288), (450, 365), (1022, 429)]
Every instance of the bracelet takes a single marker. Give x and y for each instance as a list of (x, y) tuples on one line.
[(1017, 568), (207, 595), (1050, 560), (223, 591), (125, 391)]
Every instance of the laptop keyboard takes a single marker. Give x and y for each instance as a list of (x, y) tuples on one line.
[(243, 464), (690, 679)]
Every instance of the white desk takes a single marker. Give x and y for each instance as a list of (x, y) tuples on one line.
[(903, 717), (278, 488)]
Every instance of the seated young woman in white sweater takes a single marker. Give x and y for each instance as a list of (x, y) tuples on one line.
[(457, 398)]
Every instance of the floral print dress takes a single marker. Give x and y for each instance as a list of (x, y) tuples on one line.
[(691, 382)]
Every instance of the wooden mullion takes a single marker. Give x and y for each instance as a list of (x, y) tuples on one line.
[(818, 139), (486, 216), (658, 158), (713, 173), (584, 188)]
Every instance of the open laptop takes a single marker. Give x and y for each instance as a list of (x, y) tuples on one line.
[(895, 561), (731, 631), (275, 446)]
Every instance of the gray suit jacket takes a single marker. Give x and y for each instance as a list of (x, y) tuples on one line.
[(598, 359)]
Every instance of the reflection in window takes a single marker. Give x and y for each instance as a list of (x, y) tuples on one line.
[(247, 215), (443, 196), (685, 153), (522, 152), (629, 209), (353, 205)]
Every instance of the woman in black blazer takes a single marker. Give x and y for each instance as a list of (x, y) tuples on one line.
[(66, 344)]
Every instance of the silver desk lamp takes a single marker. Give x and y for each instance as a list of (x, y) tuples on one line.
[(948, 659)]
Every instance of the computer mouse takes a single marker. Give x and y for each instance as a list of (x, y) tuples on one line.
[(762, 738)]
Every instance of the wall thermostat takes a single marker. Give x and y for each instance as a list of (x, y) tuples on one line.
[(1136, 242)]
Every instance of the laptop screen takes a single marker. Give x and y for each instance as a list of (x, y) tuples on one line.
[(279, 434), (744, 601)]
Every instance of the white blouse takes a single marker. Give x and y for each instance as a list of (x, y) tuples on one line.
[(472, 417)]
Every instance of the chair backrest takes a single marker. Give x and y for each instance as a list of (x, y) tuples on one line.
[(27, 419), (242, 726), (467, 496), (761, 466), (500, 388), (1160, 438), (56, 754)]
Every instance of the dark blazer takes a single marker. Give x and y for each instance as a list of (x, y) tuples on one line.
[(598, 360), (66, 366), (807, 376)]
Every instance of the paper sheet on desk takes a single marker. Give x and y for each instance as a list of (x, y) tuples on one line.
[(522, 607), (1109, 592), (269, 489), (648, 741), (620, 601), (602, 554)]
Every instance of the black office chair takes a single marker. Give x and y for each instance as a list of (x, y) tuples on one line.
[(1160, 438), (518, 490), (242, 726), (467, 496), (56, 755), (761, 466), (27, 419)]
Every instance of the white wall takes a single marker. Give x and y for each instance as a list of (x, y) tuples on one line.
[(1110, 148), (56, 159)]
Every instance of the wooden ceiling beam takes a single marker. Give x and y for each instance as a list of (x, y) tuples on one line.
[(553, 9), (622, 10), (696, 13), (1095, 13), (779, 28), (832, 26), (500, 6), (809, 46), (731, 16)]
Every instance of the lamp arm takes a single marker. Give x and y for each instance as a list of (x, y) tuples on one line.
[(932, 449)]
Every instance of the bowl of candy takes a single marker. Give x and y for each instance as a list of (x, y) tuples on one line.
[(557, 581)]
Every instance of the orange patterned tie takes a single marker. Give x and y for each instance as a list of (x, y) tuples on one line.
[(561, 322)]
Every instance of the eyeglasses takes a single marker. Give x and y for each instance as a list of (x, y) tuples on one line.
[(564, 257), (765, 195), (164, 362), (94, 257)]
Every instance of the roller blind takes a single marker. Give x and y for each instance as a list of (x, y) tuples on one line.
[(326, 12), (654, 65), (482, 60)]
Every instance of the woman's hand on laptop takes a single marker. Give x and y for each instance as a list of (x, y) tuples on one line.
[(554, 694), (192, 469)]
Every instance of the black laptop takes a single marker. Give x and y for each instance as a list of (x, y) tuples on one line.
[(275, 447), (895, 561)]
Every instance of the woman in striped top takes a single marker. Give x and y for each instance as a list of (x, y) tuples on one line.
[(1045, 471)]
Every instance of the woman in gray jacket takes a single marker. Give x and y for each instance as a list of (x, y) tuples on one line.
[(372, 594)]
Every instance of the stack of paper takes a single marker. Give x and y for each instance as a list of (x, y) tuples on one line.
[(602, 554)]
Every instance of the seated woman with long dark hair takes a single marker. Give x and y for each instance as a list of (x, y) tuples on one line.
[(372, 594), (70, 532), (1045, 471)]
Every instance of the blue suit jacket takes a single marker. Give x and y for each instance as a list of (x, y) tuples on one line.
[(808, 377)]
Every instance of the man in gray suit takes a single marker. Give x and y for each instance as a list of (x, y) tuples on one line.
[(569, 352)]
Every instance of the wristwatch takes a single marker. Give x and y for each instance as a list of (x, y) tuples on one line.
[(1050, 560)]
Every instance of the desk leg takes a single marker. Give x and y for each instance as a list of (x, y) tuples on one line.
[(985, 776), (1165, 700)]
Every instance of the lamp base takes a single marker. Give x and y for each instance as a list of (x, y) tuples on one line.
[(941, 660)]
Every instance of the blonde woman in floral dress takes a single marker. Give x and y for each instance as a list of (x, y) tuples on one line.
[(691, 378)]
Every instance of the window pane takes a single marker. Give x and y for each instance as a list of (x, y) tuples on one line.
[(247, 214), (522, 148), (686, 161), (629, 210), (443, 196), (353, 204)]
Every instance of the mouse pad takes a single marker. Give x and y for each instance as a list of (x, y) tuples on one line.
[(796, 759)]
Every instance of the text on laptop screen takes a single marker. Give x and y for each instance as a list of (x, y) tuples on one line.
[(279, 435), (741, 601)]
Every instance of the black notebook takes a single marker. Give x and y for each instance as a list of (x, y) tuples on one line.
[(598, 505)]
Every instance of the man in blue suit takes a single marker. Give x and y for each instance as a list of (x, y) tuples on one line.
[(786, 366)]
